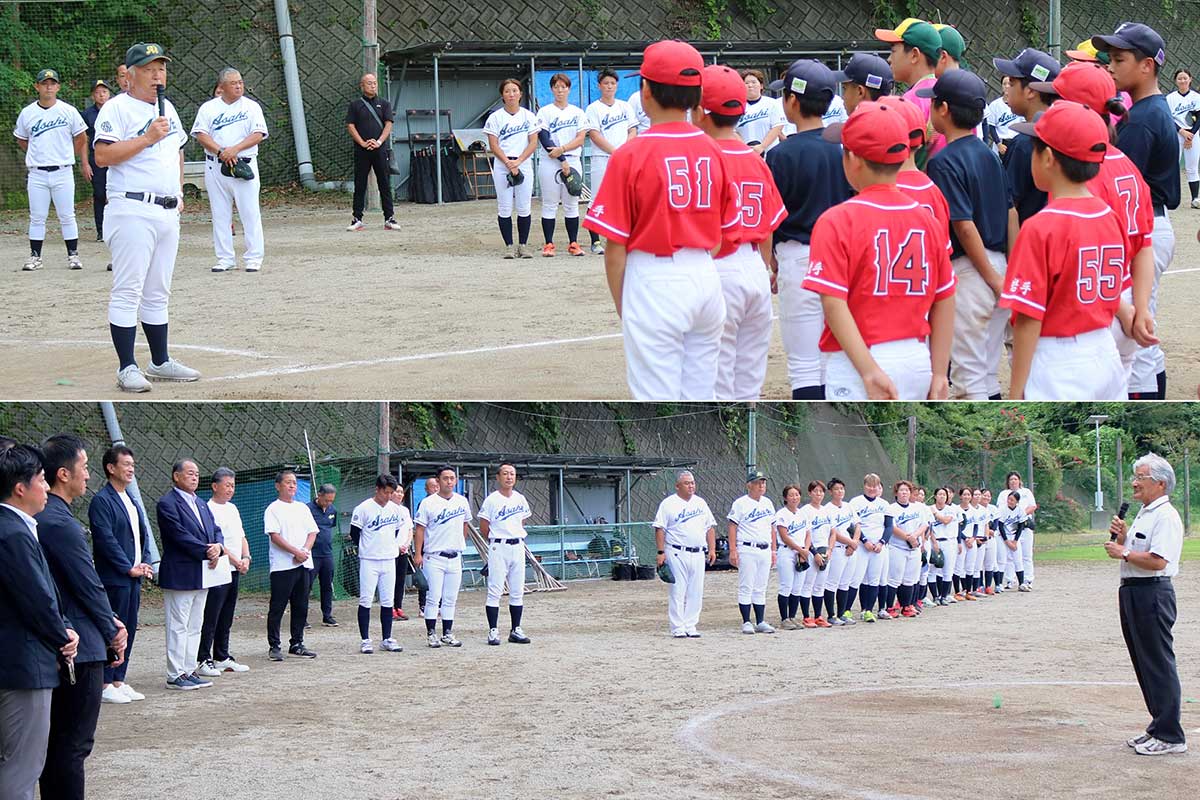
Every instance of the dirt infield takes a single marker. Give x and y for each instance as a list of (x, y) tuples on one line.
[(429, 311), (604, 703)]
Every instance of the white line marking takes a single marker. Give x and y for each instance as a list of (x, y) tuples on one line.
[(1179, 271), (201, 348)]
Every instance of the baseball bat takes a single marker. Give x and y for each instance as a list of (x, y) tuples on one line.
[(161, 92), (1121, 512)]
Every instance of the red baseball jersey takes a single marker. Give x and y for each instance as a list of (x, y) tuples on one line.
[(1122, 187), (914, 184), (887, 258), (1068, 266), (761, 209), (664, 190)]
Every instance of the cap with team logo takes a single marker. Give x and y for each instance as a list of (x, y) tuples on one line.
[(952, 41), (1080, 82), (48, 75), (755, 475), (958, 87), (915, 33), (1029, 65), (808, 77), (1072, 129), (1087, 52), (724, 91), (1136, 37), (672, 62), (874, 132), (867, 69), (143, 53), (100, 82), (913, 115)]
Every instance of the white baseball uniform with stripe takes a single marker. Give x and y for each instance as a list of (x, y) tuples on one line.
[(965, 525), (50, 159), (635, 102), (841, 564), (976, 521), (796, 526), (506, 545), (946, 536), (685, 525), (989, 549), (378, 549), (753, 519), (820, 524), (228, 124), (444, 542), (1010, 519), (512, 132), (564, 124), (1183, 108), (1026, 541), (871, 568), (904, 561), (760, 117), (614, 123)]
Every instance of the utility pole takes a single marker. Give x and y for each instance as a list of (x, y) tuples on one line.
[(1054, 38), (370, 64), (1187, 491), (1028, 462), (912, 448), (384, 444), (751, 439), (1120, 475)]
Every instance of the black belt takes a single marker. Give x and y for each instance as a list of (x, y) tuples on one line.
[(1144, 581), (51, 169), (210, 157), (506, 541), (691, 549), (156, 199), (944, 540), (1160, 211), (753, 544), (446, 554)]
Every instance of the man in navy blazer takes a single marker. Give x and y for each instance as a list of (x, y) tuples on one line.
[(75, 706), (121, 539), (34, 634), (191, 542)]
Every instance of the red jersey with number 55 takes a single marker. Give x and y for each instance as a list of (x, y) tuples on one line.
[(1068, 266), (760, 208), (664, 190), (887, 258), (1122, 187)]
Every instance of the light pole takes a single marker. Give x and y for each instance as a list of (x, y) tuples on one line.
[(1097, 420)]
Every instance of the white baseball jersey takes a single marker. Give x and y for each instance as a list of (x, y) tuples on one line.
[(443, 520), (1010, 518), (512, 130), (842, 517), (406, 528), (229, 520), (635, 102), (1026, 498), (977, 520), (1184, 107), (753, 518), (870, 516), (761, 115), (907, 518), (613, 122), (685, 522), (945, 530), (836, 111), (819, 522), (230, 123), (153, 169), (564, 124), (1000, 117), (505, 515), (293, 521), (50, 132), (379, 529), (793, 522)]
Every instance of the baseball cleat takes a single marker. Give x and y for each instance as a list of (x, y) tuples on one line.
[(970, 596), (390, 224), (573, 249), (172, 370), (135, 695), (1196, 203), (73, 261), (597, 249), (868, 616), (494, 637), (908, 611), (329, 622), (356, 225), (989, 591), (366, 647), (434, 641), (763, 627), (208, 670), (883, 614), (788, 624), (253, 266), (301, 651), (227, 665), (517, 636), (391, 645), (837, 622), (524, 251), (449, 640), (131, 379), (679, 635), (32, 263), (748, 627), (1157, 747), (548, 250), (1142, 739), (693, 634), (224, 268), (822, 622), (1024, 587), (510, 251), (848, 618)]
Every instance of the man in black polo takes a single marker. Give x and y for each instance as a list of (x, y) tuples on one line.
[(325, 515), (369, 121)]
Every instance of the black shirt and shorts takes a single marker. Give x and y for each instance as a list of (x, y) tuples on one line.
[(368, 116)]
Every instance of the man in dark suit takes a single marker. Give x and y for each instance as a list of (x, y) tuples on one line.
[(34, 634), (75, 706), (191, 543), (121, 547)]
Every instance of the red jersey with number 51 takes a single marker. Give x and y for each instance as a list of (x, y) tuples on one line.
[(760, 208), (1068, 266), (1122, 187), (664, 190), (886, 256)]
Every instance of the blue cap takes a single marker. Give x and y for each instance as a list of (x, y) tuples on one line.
[(807, 77), (867, 69), (959, 87), (1029, 65), (1136, 37)]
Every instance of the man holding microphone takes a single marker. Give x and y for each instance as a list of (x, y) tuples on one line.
[(1149, 550)]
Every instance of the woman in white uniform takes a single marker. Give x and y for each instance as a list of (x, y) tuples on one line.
[(792, 529), (512, 132), (1184, 104), (1028, 505), (820, 533), (762, 124)]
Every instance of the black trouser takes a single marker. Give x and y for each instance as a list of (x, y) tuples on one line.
[(99, 196), (288, 586), (1147, 616), (323, 574), (125, 597), (74, 711), (218, 619), (365, 161)]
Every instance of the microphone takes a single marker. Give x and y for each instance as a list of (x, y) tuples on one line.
[(160, 90), (1121, 512)]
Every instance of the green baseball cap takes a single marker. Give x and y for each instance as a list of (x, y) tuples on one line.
[(952, 41), (914, 33), (143, 53), (48, 75)]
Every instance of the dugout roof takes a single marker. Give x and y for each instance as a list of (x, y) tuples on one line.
[(539, 463)]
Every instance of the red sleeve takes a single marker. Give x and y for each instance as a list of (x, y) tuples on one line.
[(774, 211), (1145, 218), (733, 235), (829, 260), (730, 203), (946, 281), (1027, 288), (610, 214)]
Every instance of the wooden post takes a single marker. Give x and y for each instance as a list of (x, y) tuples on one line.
[(1029, 481), (1187, 491)]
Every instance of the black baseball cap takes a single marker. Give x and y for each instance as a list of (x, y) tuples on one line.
[(958, 87), (867, 69), (1029, 65), (143, 53), (48, 75), (755, 475), (100, 82), (807, 77), (1136, 37)]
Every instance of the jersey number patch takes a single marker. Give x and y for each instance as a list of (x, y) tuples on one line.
[(750, 201), (1100, 273), (1127, 187), (689, 185), (904, 267)]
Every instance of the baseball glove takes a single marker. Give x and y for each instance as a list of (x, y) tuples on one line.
[(420, 582), (924, 558), (516, 178), (801, 563), (240, 169), (572, 180), (822, 552), (937, 559), (665, 573)]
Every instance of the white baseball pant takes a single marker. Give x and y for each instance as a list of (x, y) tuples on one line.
[(972, 558), (837, 571), (673, 317), (445, 577), (949, 548), (791, 580), (520, 196), (979, 324), (960, 560), (812, 584), (754, 572), (906, 362), (989, 555), (801, 319), (1126, 347), (742, 360), (1191, 159), (1083, 367), (850, 574), (376, 575), (874, 567), (553, 190), (1149, 361), (223, 194), (904, 567), (57, 187), (1001, 555), (1026, 543), (143, 239), (685, 597), (597, 166), (506, 562)]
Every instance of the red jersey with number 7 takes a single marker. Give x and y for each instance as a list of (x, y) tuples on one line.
[(664, 190), (1122, 187), (760, 208), (1068, 266), (886, 256)]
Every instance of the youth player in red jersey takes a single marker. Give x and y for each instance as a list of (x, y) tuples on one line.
[(881, 266), (663, 205), (745, 280), (911, 181), (1069, 263)]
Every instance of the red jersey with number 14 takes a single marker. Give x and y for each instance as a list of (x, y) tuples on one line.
[(1068, 266), (887, 258), (760, 208), (664, 190)]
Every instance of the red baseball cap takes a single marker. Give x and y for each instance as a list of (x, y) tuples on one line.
[(672, 62), (724, 91), (1082, 82), (874, 132), (912, 115), (1072, 129)]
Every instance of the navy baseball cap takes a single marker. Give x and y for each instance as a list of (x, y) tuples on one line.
[(867, 69), (48, 75), (807, 77), (1029, 65), (958, 87), (755, 475), (1136, 37)]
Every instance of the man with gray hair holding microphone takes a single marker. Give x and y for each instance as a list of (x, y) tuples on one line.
[(1149, 550)]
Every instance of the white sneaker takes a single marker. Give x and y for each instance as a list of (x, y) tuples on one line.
[(208, 670), (112, 694), (1157, 747), (391, 645), (230, 665), (883, 614), (597, 249), (356, 225), (449, 640), (171, 371), (391, 224), (73, 261), (131, 379), (366, 647), (1024, 588), (1196, 203), (224, 268), (131, 693), (748, 627), (434, 641), (494, 637), (764, 627), (32, 263), (1139, 739), (253, 266)]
